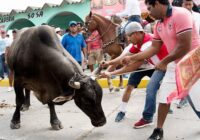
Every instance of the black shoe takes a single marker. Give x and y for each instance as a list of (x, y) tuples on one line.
[(157, 134), (120, 116)]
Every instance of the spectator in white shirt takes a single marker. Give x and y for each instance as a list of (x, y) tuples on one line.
[(4, 42), (132, 11), (188, 4)]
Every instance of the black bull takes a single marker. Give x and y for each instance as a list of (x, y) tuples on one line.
[(41, 64)]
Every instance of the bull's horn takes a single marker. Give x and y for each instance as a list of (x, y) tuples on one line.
[(93, 77), (76, 85)]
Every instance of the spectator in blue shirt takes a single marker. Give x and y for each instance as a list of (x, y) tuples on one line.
[(74, 42)]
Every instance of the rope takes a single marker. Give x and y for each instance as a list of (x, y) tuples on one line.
[(135, 71)]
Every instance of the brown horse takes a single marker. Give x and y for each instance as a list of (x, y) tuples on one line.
[(109, 34)]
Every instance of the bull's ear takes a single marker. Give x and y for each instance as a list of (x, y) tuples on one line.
[(90, 15)]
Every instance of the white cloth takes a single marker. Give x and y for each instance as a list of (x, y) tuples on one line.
[(168, 84), (196, 18), (132, 7)]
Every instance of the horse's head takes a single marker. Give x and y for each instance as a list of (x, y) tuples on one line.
[(90, 23)]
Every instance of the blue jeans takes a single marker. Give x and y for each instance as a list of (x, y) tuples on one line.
[(151, 92), (135, 18), (1, 66)]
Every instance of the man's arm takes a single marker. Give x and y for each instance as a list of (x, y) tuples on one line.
[(128, 68), (125, 69), (182, 46), (149, 52), (85, 52)]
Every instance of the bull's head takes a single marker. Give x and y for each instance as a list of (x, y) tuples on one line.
[(88, 98)]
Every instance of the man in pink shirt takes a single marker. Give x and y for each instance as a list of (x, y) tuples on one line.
[(176, 30), (95, 53)]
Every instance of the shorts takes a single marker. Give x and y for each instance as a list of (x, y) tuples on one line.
[(168, 84), (136, 77), (95, 56)]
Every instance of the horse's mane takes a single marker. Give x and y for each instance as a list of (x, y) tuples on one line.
[(102, 19)]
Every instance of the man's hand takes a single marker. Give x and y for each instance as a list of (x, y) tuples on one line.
[(161, 66), (105, 74), (104, 64)]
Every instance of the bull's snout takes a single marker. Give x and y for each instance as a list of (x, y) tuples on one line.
[(99, 123)]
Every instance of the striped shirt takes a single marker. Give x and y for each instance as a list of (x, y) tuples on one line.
[(178, 22)]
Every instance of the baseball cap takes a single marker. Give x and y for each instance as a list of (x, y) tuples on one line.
[(14, 31), (72, 23), (133, 27), (57, 29)]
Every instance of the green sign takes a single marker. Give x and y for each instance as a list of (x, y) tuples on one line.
[(35, 14), (4, 19)]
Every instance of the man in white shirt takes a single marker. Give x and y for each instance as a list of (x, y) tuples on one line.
[(132, 11), (188, 4), (4, 42)]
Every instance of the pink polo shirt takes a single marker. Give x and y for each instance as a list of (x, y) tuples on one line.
[(179, 22), (94, 41)]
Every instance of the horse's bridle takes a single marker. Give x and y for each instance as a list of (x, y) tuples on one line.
[(105, 45)]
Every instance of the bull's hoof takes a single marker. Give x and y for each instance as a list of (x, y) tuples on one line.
[(15, 125), (57, 125), (24, 107)]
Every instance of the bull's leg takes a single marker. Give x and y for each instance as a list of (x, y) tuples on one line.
[(55, 122), (26, 103), (15, 122)]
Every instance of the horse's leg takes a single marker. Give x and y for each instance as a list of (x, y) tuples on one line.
[(26, 103), (120, 86), (121, 82), (15, 122), (55, 122), (110, 86)]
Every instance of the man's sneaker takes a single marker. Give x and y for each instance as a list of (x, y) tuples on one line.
[(142, 123), (170, 111), (182, 103), (157, 134), (10, 89), (120, 116)]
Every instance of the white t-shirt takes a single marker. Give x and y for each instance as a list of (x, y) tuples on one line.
[(132, 7), (4, 42), (145, 65), (196, 18)]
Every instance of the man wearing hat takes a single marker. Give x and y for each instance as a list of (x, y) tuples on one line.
[(74, 42), (59, 33), (140, 41)]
